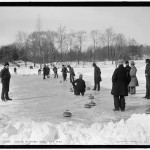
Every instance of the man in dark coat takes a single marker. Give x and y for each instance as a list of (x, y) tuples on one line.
[(72, 74), (80, 85), (120, 83), (64, 73), (5, 80), (97, 77), (147, 76), (44, 71), (128, 68), (15, 70), (55, 71), (47, 71)]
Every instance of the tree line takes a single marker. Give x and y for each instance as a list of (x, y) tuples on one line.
[(60, 45)]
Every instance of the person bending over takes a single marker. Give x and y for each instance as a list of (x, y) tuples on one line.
[(79, 86)]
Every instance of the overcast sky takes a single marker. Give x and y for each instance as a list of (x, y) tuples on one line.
[(133, 22)]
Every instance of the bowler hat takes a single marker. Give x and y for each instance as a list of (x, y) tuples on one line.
[(126, 62), (94, 64)]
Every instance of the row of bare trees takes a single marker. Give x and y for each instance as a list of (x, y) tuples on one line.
[(61, 45)]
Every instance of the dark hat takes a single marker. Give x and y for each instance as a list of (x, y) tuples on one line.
[(147, 60), (94, 64), (126, 62), (6, 63)]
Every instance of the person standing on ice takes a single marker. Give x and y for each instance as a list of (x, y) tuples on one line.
[(134, 81), (97, 77), (80, 86), (147, 76), (47, 71), (44, 71), (120, 81), (64, 73), (72, 74), (15, 70), (128, 71), (5, 80), (55, 71)]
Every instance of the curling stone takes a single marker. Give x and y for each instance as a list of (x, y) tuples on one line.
[(88, 88), (92, 103), (71, 90), (87, 106), (67, 114), (91, 96)]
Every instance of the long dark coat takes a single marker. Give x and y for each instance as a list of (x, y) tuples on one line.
[(128, 68), (64, 71), (44, 70), (147, 75), (5, 79), (97, 74), (120, 82)]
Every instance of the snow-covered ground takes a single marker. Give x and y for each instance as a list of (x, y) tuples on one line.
[(35, 114)]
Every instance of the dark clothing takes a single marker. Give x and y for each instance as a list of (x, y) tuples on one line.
[(147, 75), (44, 72), (79, 87), (47, 71), (120, 81), (128, 68), (119, 102), (39, 71), (15, 70), (97, 78), (64, 73), (5, 80), (55, 72), (72, 74)]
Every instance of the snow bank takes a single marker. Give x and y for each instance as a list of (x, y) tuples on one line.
[(134, 131)]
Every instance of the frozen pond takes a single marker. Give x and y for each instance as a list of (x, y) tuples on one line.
[(45, 100)]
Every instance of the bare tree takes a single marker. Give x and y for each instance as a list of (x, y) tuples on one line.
[(51, 39), (133, 47), (119, 47), (95, 36), (109, 38), (21, 38), (80, 37), (61, 36), (21, 44), (70, 43)]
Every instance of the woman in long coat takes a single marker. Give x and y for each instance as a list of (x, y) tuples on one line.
[(120, 83), (134, 81)]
